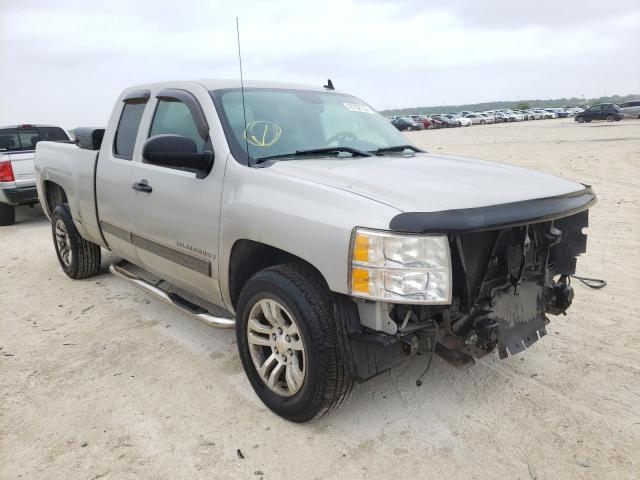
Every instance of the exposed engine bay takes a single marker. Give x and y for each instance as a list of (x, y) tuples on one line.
[(506, 282)]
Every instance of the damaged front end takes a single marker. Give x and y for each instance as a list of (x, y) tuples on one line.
[(508, 275), (507, 280)]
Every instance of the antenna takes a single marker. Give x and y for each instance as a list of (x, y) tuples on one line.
[(244, 111)]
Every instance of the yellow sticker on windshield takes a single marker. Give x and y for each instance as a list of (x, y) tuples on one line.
[(262, 133)]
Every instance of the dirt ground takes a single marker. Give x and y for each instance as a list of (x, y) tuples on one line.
[(99, 380)]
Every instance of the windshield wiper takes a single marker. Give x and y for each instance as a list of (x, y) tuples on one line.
[(315, 151), (395, 148)]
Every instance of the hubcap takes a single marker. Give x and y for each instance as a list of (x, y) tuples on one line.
[(63, 243), (276, 346)]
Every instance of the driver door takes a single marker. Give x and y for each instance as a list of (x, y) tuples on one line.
[(176, 215)]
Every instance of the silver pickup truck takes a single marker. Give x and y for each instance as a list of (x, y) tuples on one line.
[(17, 174), (336, 246)]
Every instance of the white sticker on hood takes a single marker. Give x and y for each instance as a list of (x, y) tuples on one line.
[(354, 107)]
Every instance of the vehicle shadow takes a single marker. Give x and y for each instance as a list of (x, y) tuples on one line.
[(30, 214)]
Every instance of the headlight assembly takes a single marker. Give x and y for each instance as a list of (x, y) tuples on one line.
[(398, 268)]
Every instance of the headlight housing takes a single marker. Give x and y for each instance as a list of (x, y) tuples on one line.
[(400, 268)]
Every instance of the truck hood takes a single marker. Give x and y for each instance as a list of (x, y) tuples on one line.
[(428, 182)]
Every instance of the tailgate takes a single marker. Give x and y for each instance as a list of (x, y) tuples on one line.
[(23, 167)]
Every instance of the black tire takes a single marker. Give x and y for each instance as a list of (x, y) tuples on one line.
[(580, 119), (85, 257), (609, 118), (482, 122), (7, 215), (409, 129), (304, 294)]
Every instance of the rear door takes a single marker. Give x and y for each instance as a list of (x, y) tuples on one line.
[(176, 221), (113, 175)]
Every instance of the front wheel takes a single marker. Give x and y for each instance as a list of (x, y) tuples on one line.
[(482, 122), (609, 118), (290, 342), (78, 257), (7, 215), (580, 119)]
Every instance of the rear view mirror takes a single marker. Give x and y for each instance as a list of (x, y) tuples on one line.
[(177, 151)]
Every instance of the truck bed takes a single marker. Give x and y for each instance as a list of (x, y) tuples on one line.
[(73, 168)]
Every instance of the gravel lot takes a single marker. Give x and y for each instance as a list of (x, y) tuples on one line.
[(99, 380)]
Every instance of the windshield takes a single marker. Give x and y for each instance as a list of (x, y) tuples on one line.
[(25, 138), (280, 122)]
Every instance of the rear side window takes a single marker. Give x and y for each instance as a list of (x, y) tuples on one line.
[(127, 130), (25, 138), (52, 134), (173, 117)]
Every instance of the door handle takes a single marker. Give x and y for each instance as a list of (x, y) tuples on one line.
[(142, 186)]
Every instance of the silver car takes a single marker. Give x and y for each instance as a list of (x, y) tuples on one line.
[(631, 109)]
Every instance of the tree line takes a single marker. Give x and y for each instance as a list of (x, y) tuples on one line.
[(516, 104)]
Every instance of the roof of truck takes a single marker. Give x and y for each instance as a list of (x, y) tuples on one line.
[(224, 83), (28, 125)]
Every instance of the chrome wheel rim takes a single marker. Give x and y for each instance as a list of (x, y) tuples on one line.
[(63, 244), (276, 347)]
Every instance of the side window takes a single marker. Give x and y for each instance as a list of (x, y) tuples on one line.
[(173, 116), (127, 131)]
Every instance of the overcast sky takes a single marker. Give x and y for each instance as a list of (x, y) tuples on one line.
[(65, 61)]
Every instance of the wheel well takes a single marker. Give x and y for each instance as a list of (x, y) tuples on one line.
[(54, 195), (249, 257)]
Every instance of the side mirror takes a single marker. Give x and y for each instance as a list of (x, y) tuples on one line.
[(178, 152)]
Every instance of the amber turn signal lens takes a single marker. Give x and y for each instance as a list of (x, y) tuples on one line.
[(360, 280), (361, 248)]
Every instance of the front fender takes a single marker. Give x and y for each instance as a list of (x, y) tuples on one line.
[(301, 217)]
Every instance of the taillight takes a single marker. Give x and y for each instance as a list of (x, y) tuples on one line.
[(6, 172)]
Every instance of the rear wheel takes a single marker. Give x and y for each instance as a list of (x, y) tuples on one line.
[(290, 342), (78, 257), (7, 214)]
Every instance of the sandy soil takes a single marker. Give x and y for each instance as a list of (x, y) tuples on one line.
[(99, 380)]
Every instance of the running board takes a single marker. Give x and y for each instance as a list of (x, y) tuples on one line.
[(173, 299)]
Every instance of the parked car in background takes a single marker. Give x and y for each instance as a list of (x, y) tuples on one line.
[(17, 173), (631, 109), (601, 111), (462, 121), (477, 118), (436, 123), (489, 118), (406, 123), (509, 115), (448, 122), (527, 114), (519, 116), (497, 116), (423, 120), (534, 115), (545, 115)]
